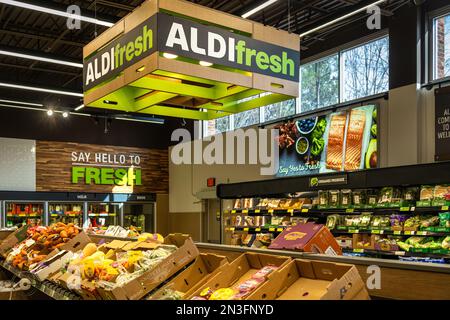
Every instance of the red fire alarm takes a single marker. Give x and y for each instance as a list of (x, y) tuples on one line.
[(211, 182)]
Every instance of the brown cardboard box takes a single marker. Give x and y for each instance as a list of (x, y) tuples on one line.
[(240, 270), (11, 240), (139, 287), (313, 280), (204, 268), (308, 237), (4, 234)]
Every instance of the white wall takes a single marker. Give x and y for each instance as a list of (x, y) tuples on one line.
[(17, 165)]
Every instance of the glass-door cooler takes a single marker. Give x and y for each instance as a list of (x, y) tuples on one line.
[(103, 215), (66, 213), (139, 216), (24, 213)]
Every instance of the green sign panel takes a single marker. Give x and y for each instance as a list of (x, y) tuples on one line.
[(107, 176), (192, 40)]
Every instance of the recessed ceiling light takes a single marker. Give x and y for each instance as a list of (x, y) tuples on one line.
[(170, 55), (50, 112), (205, 64), (65, 114)]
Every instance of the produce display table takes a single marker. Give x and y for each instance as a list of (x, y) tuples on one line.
[(399, 279), (48, 288)]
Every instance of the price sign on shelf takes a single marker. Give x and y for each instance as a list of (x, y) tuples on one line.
[(444, 208), (397, 232), (246, 229), (410, 233), (257, 211), (305, 210), (244, 211), (258, 229), (271, 229), (353, 231)]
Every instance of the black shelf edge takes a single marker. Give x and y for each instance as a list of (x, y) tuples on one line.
[(414, 175)]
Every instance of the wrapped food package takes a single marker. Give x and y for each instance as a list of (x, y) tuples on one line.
[(346, 198), (426, 193)]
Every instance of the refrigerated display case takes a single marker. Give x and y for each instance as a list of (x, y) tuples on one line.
[(139, 216), (99, 210), (22, 213), (66, 213), (102, 215)]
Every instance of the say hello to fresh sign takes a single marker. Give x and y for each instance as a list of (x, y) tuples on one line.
[(106, 169), (189, 39)]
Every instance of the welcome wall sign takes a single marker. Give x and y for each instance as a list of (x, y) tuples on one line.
[(127, 68), (106, 169)]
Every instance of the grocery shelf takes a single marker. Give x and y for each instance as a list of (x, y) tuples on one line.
[(328, 211), (277, 229), (48, 288), (21, 215), (397, 253), (391, 232), (102, 215)]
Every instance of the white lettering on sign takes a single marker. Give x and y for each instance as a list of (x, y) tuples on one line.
[(444, 122), (105, 159)]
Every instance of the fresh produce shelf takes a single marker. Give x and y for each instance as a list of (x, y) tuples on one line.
[(391, 232), (325, 212), (48, 288)]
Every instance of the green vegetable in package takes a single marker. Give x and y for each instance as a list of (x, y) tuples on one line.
[(444, 219)]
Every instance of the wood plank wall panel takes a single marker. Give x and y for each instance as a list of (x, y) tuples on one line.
[(54, 163)]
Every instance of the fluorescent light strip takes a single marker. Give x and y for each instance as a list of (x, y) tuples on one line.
[(57, 12), (258, 8), (23, 103), (140, 120), (17, 86), (156, 121), (79, 108), (32, 57), (341, 18)]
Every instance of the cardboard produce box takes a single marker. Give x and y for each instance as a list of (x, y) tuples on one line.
[(137, 288), (4, 233), (12, 239), (240, 270), (313, 280), (188, 281), (309, 237)]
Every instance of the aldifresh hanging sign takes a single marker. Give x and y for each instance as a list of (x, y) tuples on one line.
[(192, 40), (203, 66)]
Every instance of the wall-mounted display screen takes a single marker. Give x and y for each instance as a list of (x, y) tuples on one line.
[(341, 141)]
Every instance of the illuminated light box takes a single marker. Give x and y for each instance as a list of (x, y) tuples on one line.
[(175, 58)]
